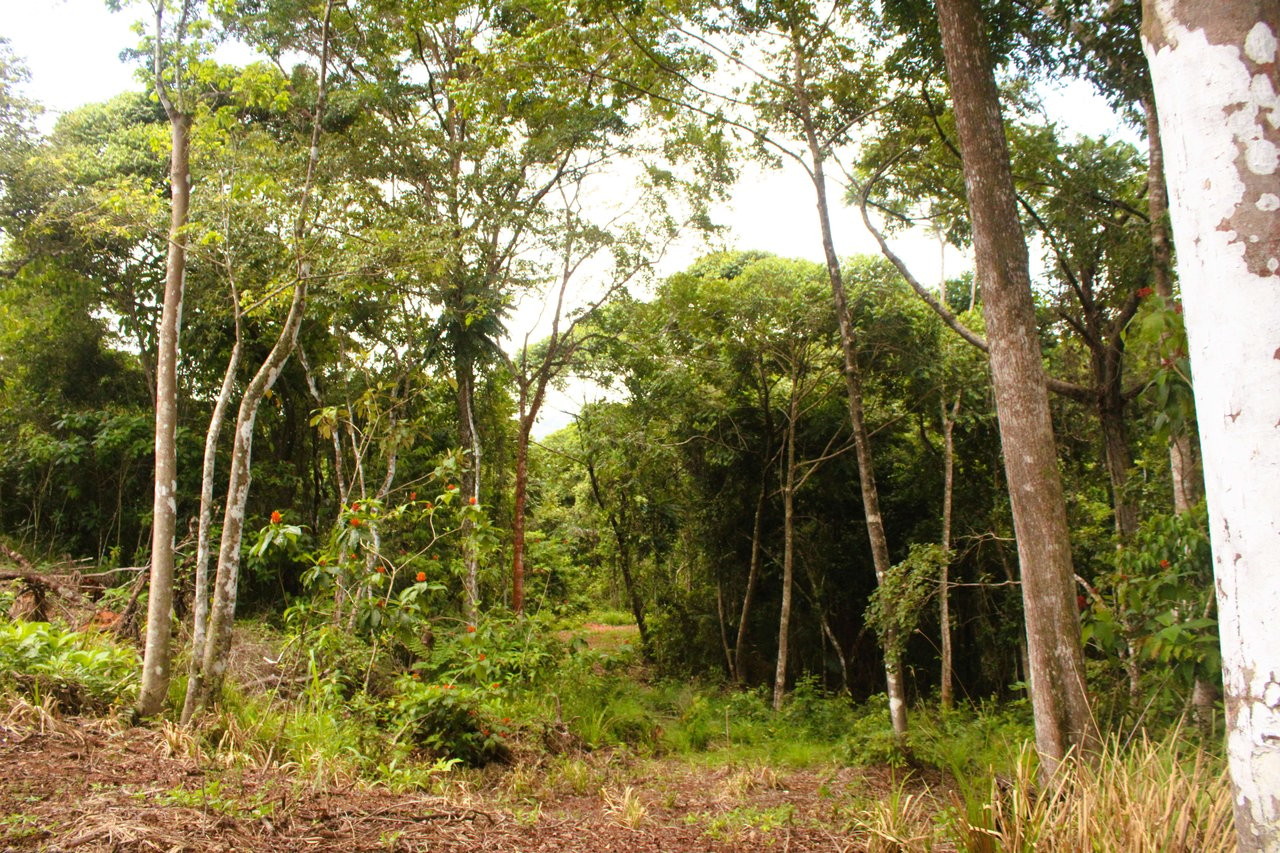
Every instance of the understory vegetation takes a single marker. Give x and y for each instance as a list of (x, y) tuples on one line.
[(533, 711)]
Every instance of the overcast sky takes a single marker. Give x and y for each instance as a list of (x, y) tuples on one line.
[(72, 49)]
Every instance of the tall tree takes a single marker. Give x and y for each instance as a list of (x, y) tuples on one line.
[(1216, 72), (1061, 706), (171, 62), (206, 681)]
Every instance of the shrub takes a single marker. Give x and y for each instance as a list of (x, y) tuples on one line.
[(82, 672)]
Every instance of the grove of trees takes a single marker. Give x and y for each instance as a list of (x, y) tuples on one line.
[(312, 307)]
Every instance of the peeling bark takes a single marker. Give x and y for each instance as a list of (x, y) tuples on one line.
[(1215, 66)]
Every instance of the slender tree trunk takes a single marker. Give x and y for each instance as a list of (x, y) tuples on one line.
[(469, 439), (895, 685), (518, 510), (788, 551), (753, 577), (1116, 455), (623, 542), (949, 415), (1184, 467), (156, 670), (827, 630), (1214, 68), (1061, 707), (208, 682), (208, 679), (200, 605)]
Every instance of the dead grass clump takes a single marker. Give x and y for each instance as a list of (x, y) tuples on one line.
[(1146, 797)]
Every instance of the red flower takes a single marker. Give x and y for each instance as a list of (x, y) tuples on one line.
[(382, 602), (1081, 602), (355, 507), (355, 522), (276, 517), (430, 505), (473, 500), (382, 570), (413, 496), (435, 556), (450, 487), (447, 686), (482, 657), (1164, 564), (471, 629), (422, 577), (1144, 292)]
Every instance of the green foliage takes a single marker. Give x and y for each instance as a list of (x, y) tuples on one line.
[(80, 672), (1158, 604), (453, 721), (901, 595)]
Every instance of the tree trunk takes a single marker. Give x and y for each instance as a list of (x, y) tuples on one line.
[(469, 439), (156, 658), (1116, 455), (1184, 467), (788, 550), (200, 605), (1214, 69), (895, 686), (753, 577), (518, 510), (208, 680), (949, 415), (1061, 707), (623, 542)]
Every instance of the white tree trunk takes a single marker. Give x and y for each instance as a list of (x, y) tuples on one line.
[(1214, 67)]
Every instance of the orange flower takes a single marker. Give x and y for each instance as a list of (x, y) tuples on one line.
[(355, 506), (413, 496), (473, 500), (382, 570), (355, 522), (382, 602), (276, 517), (450, 487), (471, 629), (422, 577), (481, 657)]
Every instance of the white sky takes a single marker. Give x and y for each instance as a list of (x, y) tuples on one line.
[(72, 50)]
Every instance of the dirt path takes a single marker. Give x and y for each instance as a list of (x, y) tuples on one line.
[(92, 785)]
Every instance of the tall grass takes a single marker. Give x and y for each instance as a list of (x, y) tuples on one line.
[(1147, 796)]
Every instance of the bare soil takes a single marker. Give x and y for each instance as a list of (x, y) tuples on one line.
[(88, 784)]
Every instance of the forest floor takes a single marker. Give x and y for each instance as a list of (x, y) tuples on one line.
[(99, 784), (96, 785)]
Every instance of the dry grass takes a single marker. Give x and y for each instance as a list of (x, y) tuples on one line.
[(1147, 797), (625, 806)]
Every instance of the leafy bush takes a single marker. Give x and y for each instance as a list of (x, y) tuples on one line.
[(451, 720), (82, 672)]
